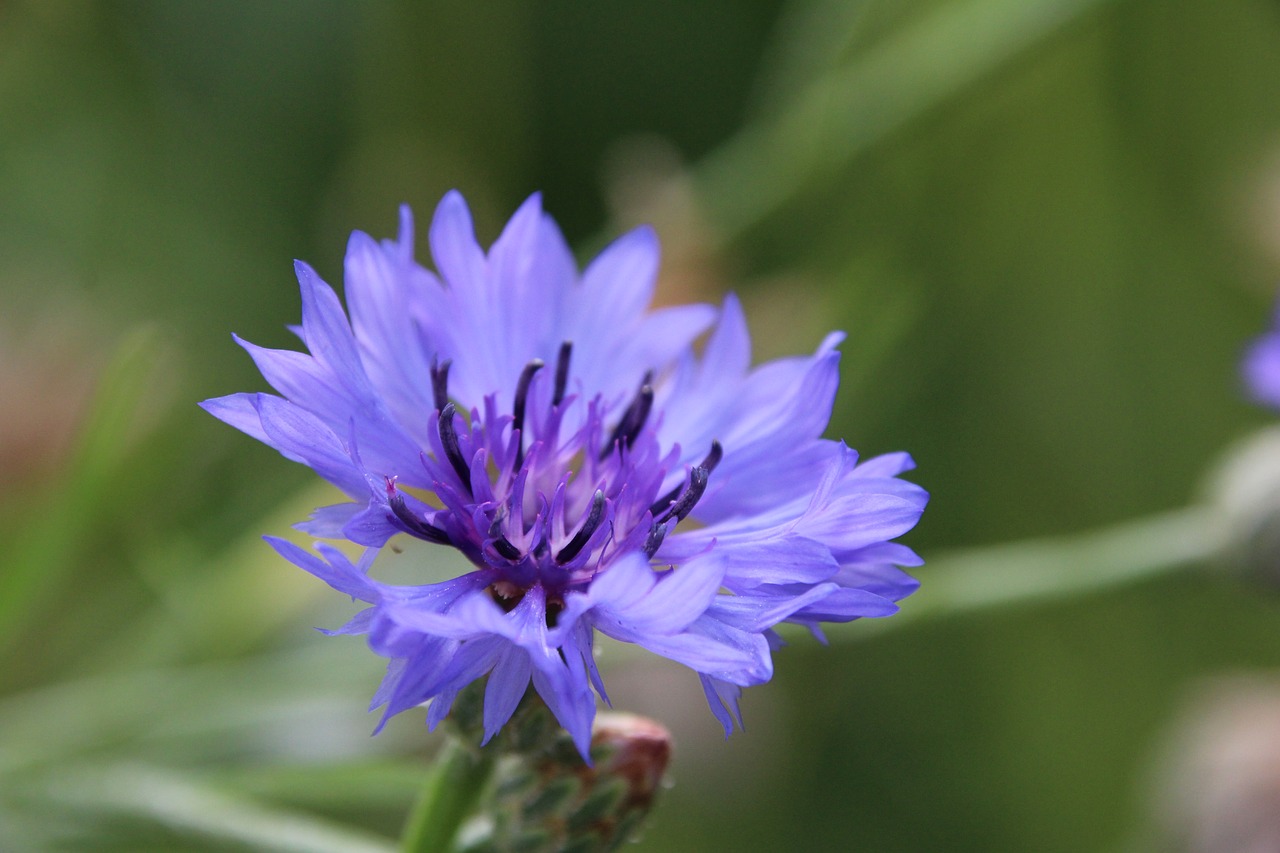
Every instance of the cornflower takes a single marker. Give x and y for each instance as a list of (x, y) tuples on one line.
[(600, 472)]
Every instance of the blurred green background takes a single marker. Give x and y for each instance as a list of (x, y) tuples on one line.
[(1048, 226)]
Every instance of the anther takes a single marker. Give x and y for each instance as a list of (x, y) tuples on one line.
[(449, 440), (440, 382), (562, 372), (580, 539), (654, 541), (713, 457), (506, 550), (502, 544), (518, 407), (415, 525), (709, 462), (634, 418), (689, 498)]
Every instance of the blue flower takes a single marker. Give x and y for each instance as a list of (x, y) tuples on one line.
[(1261, 367), (599, 473)]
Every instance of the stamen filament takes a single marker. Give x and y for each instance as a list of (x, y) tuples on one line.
[(580, 539), (682, 507), (654, 541), (518, 406), (562, 372), (634, 418), (415, 525), (440, 383), (506, 550), (713, 457), (452, 450), (710, 461)]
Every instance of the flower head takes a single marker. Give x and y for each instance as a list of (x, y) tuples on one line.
[(599, 474)]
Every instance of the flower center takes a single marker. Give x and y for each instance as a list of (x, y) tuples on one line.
[(542, 496)]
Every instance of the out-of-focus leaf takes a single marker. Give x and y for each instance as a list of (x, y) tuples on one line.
[(194, 809), (294, 706), (1056, 568), (365, 786), (41, 555), (856, 106)]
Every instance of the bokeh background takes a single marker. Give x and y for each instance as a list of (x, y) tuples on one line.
[(1049, 228)]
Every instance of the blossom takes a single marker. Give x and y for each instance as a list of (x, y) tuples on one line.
[(606, 468), (1261, 366)]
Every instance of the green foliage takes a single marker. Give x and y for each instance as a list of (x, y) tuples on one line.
[(1049, 227)]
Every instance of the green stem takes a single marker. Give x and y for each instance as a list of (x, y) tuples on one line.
[(451, 792)]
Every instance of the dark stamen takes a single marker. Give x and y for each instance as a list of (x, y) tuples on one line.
[(517, 408), (663, 503), (710, 462), (505, 549), (415, 525), (562, 372), (449, 439), (713, 457), (580, 539), (682, 507), (656, 534), (440, 383), (634, 417), (502, 544)]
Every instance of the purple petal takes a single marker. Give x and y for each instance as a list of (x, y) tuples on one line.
[(862, 520), (335, 569), (327, 522), (241, 412), (757, 559), (886, 465), (844, 605), (758, 610), (380, 282), (1261, 369), (454, 249), (723, 699), (620, 281), (300, 435), (507, 685), (637, 600), (327, 333)]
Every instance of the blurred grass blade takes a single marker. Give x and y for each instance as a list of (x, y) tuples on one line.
[(308, 703), (189, 807), (364, 786), (857, 106), (41, 553), (237, 598), (1054, 569)]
